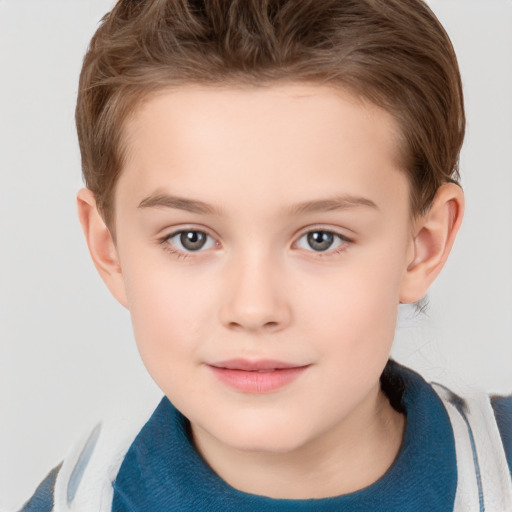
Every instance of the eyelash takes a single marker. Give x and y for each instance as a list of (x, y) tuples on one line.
[(182, 255)]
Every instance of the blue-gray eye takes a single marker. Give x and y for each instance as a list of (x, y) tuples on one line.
[(320, 241), (191, 240)]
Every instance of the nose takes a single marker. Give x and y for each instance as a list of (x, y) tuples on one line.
[(256, 297)]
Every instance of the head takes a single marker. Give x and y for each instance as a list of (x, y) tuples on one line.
[(267, 181)]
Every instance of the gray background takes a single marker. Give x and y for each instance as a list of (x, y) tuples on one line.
[(67, 353)]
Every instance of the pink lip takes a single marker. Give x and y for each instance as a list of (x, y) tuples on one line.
[(262, 376)]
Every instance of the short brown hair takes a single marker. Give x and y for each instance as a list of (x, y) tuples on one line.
[(394, 53)]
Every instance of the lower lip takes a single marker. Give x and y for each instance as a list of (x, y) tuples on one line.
[(258, 382)]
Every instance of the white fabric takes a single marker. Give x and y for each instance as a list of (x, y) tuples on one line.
[(94, 492), (488, 454)]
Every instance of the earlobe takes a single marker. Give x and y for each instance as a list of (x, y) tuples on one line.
[(435, 233), (101, 244)]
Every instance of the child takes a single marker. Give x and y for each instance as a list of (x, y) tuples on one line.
[(266, 182)]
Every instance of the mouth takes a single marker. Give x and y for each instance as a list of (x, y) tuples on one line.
[(256, 377)]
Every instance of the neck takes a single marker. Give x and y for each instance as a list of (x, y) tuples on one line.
[(347, 458)]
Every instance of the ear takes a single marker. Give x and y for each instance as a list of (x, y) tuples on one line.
[(101, 244), (434, 234)]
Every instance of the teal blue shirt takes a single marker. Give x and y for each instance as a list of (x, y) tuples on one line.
[(162, 471)]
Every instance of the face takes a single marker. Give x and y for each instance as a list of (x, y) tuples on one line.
[(263, 236)]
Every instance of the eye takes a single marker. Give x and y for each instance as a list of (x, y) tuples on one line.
[(190, 240), (321, 241)]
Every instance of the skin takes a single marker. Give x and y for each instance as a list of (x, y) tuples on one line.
[(258, 288)]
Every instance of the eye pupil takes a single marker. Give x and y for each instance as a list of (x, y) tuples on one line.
[(192, 240), (320, 240)]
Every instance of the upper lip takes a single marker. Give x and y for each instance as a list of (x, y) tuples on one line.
[(254, 365)]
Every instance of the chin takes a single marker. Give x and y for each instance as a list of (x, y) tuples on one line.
[(263, 440)]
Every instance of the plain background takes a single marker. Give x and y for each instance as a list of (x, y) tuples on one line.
[(67, 353)]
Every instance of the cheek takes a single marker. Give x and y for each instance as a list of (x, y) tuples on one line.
[(357, 305), (354, 328), (168, 316)]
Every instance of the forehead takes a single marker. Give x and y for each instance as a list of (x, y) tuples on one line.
[(261, 141), (293, 106)]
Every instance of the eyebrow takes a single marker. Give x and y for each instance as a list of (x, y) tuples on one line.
[(343, 202), (179, 203)]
